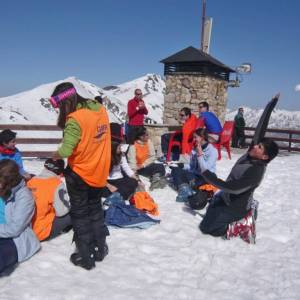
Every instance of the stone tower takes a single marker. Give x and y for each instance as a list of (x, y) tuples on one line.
[(193, 76)]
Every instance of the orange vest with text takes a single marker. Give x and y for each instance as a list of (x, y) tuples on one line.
[(141, 153), (91, 157), (43, 190)]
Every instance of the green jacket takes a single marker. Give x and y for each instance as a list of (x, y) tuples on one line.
[(239, 121), (72, 131)]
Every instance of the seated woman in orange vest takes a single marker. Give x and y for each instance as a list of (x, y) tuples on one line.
[(141, 158), (51, 217)]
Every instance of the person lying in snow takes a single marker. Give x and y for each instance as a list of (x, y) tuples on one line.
[(190, 174), (17, 240), (51, 217), (232, 202)]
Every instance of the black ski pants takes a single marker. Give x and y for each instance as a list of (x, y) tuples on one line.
[(152, 169), (86, 210)]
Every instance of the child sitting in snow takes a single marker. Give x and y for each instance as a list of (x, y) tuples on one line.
[(117, 184), (52, 202), (203, 153), (17, 240), (8, 150)]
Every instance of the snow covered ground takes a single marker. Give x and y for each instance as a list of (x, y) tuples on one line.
[(173, 260)]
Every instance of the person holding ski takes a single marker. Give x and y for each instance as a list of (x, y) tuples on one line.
[(232, 202)]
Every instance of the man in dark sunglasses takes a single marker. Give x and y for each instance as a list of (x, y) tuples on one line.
[(136, 110), (188, 120)]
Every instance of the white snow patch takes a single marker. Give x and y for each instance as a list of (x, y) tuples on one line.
[(173, 260)]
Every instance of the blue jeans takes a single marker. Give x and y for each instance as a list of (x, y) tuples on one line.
[(8, 254), (217, 218), (181, 176)]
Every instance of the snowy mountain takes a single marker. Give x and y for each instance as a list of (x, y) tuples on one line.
[(280, 118), (32, 107)]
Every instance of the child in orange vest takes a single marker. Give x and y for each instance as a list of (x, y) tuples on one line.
[(87, 146), (51, 216)]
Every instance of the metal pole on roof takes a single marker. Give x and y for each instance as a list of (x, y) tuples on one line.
[(203, 23)]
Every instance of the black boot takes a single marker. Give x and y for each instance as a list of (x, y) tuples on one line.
[(100, 249), (84, 256)]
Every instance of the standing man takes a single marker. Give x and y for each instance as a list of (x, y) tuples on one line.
[(211, 122), (136, 110), (238, 140)]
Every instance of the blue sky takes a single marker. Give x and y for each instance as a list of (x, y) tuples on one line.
[(110, 42)]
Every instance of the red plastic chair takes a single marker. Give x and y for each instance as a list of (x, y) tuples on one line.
[(225, 138), (172, 142)]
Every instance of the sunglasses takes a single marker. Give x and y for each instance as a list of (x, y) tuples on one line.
[(139, 94), (181, 115)]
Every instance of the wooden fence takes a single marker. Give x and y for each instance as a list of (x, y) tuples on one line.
[(44, 141), (285, 137), (288, 139)]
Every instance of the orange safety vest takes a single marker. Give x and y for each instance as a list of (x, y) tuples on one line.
[(187, 133), (43, 190), (141, 153), (91, 157)]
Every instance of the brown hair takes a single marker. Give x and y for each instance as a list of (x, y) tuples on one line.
[(68, 105), (202, 132), (9, 176), (115, 157)]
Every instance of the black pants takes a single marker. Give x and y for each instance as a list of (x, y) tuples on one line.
[(152, 169), (238, 139), (131, 129), (126, 187), (165, 140), (86, 211), (217, 218), (8, 254), (59, 225)]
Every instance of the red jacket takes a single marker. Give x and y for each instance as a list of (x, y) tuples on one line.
[(136, 116), (187, 131)]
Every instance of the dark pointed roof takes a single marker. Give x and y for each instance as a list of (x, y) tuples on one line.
[(194, 55)]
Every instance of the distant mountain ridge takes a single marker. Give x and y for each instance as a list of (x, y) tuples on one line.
[(33, 107)]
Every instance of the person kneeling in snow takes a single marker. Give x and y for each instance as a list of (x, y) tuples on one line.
[(236, 193), (51, 217)]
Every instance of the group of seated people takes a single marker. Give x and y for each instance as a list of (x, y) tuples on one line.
[(190, 123), (26, 220)]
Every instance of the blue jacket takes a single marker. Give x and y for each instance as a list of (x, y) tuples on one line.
[(208, 160), (19, 210), (211, 122), (2, 211), (16, 157), (123, 215)]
